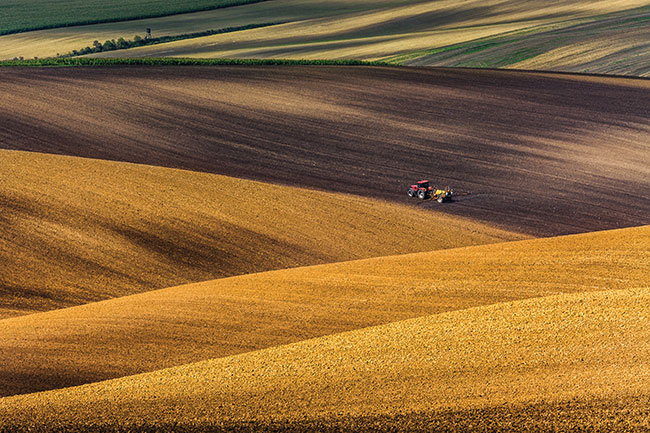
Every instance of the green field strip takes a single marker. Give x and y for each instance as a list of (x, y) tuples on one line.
[(20, 16)]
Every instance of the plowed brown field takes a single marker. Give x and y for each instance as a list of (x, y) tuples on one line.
[(578, 356), (544, 154), (219, 318)]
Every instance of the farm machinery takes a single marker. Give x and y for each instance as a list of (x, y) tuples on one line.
[(423, 190)]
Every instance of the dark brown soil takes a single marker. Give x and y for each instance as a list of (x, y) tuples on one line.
[(540, 153)]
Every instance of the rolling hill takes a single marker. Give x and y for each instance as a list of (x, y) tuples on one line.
[(569, 360), (543, 154), (77, 230), (229, 246), (219, 318)]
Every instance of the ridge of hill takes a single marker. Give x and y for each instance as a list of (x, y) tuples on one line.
[(219, 318), (572, 359)]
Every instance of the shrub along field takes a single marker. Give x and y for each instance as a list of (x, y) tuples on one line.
[(179, 61), (26, 15)]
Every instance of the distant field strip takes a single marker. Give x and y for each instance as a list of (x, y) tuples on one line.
[(77, 230), (378, 33), (137, 41), (356, 29), (27, 15), (218, 318), (555, 363), (177, 61), (62, 40)]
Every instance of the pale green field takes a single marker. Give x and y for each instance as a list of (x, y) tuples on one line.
[(612, 44), (26, 15)]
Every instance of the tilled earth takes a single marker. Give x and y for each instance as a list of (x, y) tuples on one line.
[(543, 154)]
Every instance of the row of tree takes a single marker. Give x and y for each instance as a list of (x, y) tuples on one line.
[(109, 45), (138, 41)]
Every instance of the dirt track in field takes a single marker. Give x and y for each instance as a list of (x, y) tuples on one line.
[(544, 154)]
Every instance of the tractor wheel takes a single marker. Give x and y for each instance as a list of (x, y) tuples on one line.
[(441, 199), (411, 193), (422, 194)]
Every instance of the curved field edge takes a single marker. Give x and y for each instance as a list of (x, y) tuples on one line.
[(568, 351), (61, 14), (219, 318), (77, 230)]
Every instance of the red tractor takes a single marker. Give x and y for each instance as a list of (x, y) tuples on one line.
[(423, 191)]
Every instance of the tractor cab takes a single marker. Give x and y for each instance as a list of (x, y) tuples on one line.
[(421, 189)]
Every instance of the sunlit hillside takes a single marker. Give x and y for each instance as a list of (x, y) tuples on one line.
[(205, 226), (77, 230), (219, 318)]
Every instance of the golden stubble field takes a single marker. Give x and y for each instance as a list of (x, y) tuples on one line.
[(478, 334), (224, 317), (77, 230), (582, 351)]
